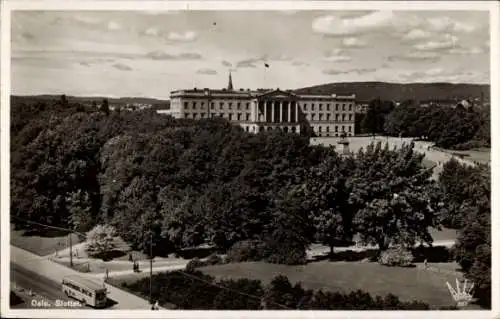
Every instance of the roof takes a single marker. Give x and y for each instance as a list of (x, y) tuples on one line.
[(85, 282)]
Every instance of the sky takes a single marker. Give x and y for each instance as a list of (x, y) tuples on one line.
[(150, 53)]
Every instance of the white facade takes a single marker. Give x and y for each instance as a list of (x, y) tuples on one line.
[(326, 115)]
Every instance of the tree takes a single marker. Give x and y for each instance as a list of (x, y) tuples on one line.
[(101, 240), (80, 210), (326, 195), (390, 197), (105, 107)]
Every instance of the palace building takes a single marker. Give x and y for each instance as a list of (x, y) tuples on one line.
[(264, 109)]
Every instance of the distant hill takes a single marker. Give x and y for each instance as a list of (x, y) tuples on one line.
[(98, 99), (366, 91)]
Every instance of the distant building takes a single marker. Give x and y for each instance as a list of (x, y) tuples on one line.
[(267, 109)]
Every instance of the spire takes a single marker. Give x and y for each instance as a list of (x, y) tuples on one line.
[(230, 84)]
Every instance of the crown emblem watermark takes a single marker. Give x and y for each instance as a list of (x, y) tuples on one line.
[(461, 294)]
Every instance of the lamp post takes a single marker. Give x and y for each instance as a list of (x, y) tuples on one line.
[(151, 269)]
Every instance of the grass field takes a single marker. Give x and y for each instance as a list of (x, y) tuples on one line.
[(41, 244), (406, 283)]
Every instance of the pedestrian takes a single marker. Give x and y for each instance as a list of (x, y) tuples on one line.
[(130, 258), (425, 263), (107, 273)]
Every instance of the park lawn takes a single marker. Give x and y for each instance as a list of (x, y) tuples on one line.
[(482, 155), (406, 283), (40, 244)]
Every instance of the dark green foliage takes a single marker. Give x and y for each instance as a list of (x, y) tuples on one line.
[(468, 193), (248, 250), (456, 128)]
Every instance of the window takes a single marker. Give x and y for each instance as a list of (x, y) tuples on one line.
[(221, 105), (343, 128), (230, 117), (248, 116), (328, 116), (312, 107), (321, 107), (312, 116), (319, 129), (343, 107), (305, 106), (328, 128), (336, 107), (194, 105), (230, 105), (202, 104), (202, 115), (239, 116), (186, 105), (247, 129), (350, 117), (336, 129), (350, 107), (328, 106), (343, 117), (349, 128), (320, 116), (336, 117), (212, 105), (212, 115), (186, 115), (221, 114), (194, 116), (238, 105), (248, 105)]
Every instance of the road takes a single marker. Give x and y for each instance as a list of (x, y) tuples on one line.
[(55, 272), (43, 288)]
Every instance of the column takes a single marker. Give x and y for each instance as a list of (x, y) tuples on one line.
[(272, 111), (290, 111), (296, 112), (282, 113), (264, 107)]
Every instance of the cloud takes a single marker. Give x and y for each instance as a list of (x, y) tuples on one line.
[(83, 63), (250, 63), (350, 71), (337, 55), (153, 32), (113, 26), (300, 63), (335, 26), (122, 67), (207, 71), (446, 24), (353, 42), (448, 43), (227, 64), (417, 34), (159, 55), (466, 51), (188, 36), (415, 57)]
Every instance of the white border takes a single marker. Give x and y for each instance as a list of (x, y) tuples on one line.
[(8, 6)]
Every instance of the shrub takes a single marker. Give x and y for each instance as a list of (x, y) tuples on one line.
[(228, 300), (290, 256), (436, 254), (101, 241), (214, 259), (194, 264), (396, 256), (248, 250)]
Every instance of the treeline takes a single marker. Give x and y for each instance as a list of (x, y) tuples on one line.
[(195, 290), (454, 128), (184, 183)]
